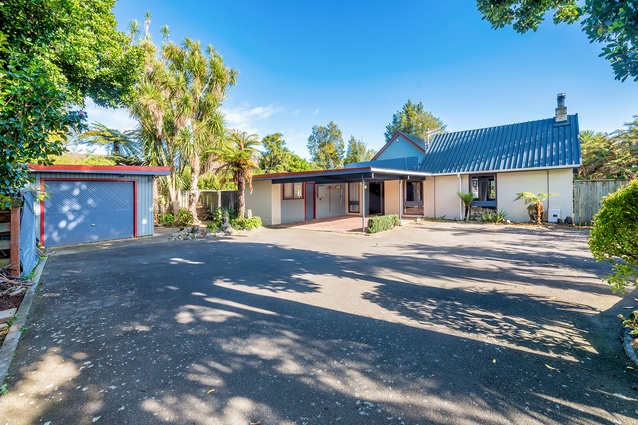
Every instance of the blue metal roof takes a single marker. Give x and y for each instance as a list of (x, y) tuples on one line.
[(522, 146), (414, 139)]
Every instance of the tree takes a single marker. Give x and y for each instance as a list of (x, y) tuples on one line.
[(238, 156), (178, 106), (297, 163), (415, 120), (52, 58), (326, 147), (612, 156), (467, 199), (123, 143), (611, 22), (534, 204), (358, 151), (275, 157), (613, 238)]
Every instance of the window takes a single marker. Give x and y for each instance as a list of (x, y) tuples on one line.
[(293, 190), (413, 204), (484, 188), (353, 197)]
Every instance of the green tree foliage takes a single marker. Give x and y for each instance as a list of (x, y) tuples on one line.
[(277, 158), (52, 56), (358, 151), (178, 107), (238, 155), (612, 156), (534, 204), (610, 22), (613, 238), (115, 142), (275, 155), (297, 163), (415, 120), (467, 199), (326, 146)]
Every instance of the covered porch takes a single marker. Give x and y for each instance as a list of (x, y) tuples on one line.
[(351, 192)]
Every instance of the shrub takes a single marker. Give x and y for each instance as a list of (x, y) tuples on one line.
[(212, 227), (218, 214), (98, 160), (184, 218), (166, 219), (491, 216), (246, 223), (613, 238), (383, 222)]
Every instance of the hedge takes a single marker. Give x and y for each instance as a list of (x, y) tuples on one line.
[(383, 222)]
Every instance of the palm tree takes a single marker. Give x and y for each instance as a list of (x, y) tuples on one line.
[(178, 106), (124, 143), (166, 32), (467, 199), (534, 204), (238, 156), (134, 30)]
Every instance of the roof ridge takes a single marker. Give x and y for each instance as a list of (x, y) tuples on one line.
[(502, 125)]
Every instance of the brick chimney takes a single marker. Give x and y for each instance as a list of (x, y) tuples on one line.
[(561, 109)]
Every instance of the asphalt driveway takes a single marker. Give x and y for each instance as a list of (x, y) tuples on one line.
[(432, 323)]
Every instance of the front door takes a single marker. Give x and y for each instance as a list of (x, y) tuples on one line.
[(375, 202), (309, 189)]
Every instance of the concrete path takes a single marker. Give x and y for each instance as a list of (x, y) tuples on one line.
[(431, 323)]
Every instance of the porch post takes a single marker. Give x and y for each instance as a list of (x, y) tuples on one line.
[(363, 204)]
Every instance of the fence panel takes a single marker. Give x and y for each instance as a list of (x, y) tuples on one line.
[(212, 199), (587, 197)]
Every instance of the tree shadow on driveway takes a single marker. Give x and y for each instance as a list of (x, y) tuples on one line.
[(233, 330)]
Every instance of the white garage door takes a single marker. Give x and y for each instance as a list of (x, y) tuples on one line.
[(80, 211)]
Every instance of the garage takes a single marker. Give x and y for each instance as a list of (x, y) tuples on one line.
[(80, 211), (94, 203)]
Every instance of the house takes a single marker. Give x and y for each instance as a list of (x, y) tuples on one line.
[(94, 203), (415, 178)]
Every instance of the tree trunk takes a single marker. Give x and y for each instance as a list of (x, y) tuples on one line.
[(539, 212), (193, 193), (241, 195), (173, 195)]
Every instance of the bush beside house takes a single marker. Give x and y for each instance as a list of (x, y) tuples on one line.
[(383, 222)]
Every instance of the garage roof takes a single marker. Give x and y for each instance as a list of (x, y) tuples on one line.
[(102, 169)]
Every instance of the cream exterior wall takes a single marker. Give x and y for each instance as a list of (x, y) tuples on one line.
[(428, 197), (559, 181), (446, 202), (393, 197), (263, 200)]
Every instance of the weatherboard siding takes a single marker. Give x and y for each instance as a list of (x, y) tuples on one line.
[(400, 148)]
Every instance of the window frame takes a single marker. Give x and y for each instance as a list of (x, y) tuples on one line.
[(295, 194)]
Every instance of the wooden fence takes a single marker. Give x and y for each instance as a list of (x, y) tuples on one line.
[(212, 199), (587, 197)]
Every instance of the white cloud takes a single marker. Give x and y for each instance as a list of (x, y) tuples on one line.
[(245, 118), (112, 118)]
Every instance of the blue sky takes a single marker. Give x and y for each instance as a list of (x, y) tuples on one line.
[(356, 63)]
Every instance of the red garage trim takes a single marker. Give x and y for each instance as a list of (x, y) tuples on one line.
[(103, 169), (42, 184)]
